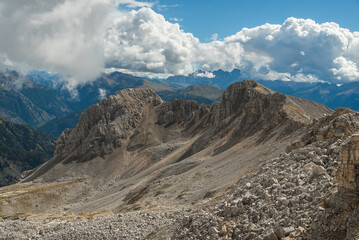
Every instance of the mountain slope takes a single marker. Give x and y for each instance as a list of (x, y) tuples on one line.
[(133, 145), (21, 148)]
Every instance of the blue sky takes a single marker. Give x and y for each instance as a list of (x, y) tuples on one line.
[(226, 17)]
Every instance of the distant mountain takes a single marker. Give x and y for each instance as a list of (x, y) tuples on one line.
[(57, 125), (40, 97), (26, 102), (19, 109), (40, 102), (201, 93), (219, 78), (52, 80), (108, 84), (332, 95), (21, 148)]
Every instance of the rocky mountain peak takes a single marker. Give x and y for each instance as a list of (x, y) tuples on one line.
[(239, 96), (104, 126)]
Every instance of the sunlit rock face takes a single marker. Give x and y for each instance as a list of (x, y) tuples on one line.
[(348, 169)]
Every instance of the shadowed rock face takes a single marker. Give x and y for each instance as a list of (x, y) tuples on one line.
[(135, 119)]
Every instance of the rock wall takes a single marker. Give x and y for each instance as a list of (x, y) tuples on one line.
[(348, 169)]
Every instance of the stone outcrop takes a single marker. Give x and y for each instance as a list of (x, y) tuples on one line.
[(348, 170), (340, 209), (341, 124), (105, 126)]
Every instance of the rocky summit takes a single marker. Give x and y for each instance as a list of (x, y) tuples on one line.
[(257, 165)]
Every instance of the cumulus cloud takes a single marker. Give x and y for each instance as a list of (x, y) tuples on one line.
[(345, 69), (298, 49), (78, 38), (63, 36), (144, 41)]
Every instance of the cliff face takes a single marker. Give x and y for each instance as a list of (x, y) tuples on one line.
[(105, 126), (348, 170)]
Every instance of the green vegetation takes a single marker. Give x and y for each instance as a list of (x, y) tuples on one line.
[(56, 126), (21, 148)]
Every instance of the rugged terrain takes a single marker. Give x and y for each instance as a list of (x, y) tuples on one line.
[(259, 164)]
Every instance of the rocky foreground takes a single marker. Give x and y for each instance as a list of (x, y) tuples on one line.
[(285, 198)]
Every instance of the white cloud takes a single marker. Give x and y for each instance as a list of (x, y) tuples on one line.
[(345, 69), (102, 93), (163, 7), (298, 49), (176, 19), (205, 74), (77, 38), (144, 41), (134, 3), (214, 37), (63, 36)]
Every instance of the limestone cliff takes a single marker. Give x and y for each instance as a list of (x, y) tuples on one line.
[(348, 170)]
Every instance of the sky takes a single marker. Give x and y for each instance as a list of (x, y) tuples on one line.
[(272, 40), (204, 18)]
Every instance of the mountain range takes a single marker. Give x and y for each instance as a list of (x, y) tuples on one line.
[(331, 95), (37, 101), (41, 99)]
